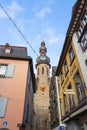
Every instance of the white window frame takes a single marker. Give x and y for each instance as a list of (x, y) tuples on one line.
[(7, 50), (83, 42), (6, 70), (3, 68)]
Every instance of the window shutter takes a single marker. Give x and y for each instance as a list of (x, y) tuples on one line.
[(10, 70), (3, 104)]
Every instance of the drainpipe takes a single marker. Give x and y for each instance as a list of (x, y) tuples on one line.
[(59, 109)]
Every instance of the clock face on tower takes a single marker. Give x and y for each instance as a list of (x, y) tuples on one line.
[(42, 88)]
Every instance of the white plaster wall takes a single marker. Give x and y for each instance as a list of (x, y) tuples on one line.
[(82, 56)]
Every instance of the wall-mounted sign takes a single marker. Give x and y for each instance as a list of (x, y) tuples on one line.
[(61, 128), (69, 91), (5, 123)]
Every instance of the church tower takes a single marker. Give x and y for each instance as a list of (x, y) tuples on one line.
[(42, 92)]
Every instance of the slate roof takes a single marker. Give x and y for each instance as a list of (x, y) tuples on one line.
[(16, 51)]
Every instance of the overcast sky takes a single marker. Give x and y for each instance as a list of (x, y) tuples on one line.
[(38, 20)]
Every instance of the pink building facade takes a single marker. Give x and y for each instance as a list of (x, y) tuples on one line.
[(17, 87)]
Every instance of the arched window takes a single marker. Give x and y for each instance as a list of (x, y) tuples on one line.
[(38, 71), (47, 71), (42, 70)]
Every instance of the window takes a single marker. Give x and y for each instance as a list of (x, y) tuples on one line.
[(62, 76), (8, 50), (6, 70), (42, 70), (71, 98), (66, 67), (3, 69), (38, 71), (47, 71), (79, 86), (84, 42), (82, 25), (80, 30), (3, 106), (85, 18), (71, 54), (65, 104)]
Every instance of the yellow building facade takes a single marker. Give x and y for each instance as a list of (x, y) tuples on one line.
[(69, 94), (70, 71)]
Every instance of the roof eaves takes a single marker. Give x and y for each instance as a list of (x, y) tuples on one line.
[(70, 31)]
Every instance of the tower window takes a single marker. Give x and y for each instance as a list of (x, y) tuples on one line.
[(38, 71), (42, 70), (47, 71)]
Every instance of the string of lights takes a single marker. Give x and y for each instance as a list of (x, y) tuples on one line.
[(18, 29)]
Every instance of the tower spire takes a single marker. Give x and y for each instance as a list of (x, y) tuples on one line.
[(43, 59)]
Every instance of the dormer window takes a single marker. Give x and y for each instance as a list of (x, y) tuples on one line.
[(8, 50)]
